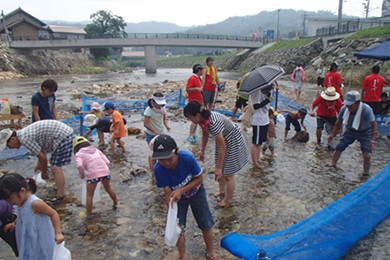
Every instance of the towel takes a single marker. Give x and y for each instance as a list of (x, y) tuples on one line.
[(356, 120)]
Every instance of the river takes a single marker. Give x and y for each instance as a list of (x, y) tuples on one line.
[(292, 186)]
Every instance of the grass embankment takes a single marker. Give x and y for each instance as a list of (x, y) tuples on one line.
[(376, 32), (289, 44)]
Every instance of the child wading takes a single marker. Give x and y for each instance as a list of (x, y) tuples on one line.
[(154, 121), (271, 135), (117, 128), (38, 226), (93, 165), (180, 175), (292, 117)]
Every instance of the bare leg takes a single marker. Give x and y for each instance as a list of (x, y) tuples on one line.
[(255, 154), (222, 186), (230, 187), (181, 246), (59, 179), (151, 168), (285, 134), (208, 238), (90, 191), (319, 134), (112, 142), (366, 162), (121, 144), (336, 157), (234, 112), (101, 137), (193, 129), (107, 187)]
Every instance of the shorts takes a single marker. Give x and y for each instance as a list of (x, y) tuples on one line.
[(208, 97), (260, 133), (240, 102), (298, 85), (375, 106), (149, 137), (97, 180), (320, 81), (63, 154), (270, 144), (322, 121), (200, 210), (289, 121), (350, 136)]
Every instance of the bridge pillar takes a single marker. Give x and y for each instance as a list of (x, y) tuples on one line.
[(150, 59)]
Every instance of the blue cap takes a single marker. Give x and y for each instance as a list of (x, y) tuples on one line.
[(108, 105)]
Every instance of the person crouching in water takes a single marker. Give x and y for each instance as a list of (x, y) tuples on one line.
[(93, 165), (38, 226), (271, 134)]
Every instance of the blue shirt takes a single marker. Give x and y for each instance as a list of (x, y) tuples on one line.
[(45, 105), (365, 123), (187, 169)]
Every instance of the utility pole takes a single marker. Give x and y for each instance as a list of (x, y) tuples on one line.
[(340, 16), (304, 25), (277, 28), (367, 7)]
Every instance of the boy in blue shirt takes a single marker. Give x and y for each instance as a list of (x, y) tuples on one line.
[(43, 102), (180, 175)]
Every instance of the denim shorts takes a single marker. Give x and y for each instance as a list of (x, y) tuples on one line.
[(289, 121), (350, 136), (149, 137), (200, 210)]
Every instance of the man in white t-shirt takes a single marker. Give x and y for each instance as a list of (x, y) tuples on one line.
[(261, 100)]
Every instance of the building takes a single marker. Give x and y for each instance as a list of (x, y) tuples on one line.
[(66, 32), (386, 8), (21, 25)]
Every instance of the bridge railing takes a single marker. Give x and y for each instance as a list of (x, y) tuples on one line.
[(145, 36)]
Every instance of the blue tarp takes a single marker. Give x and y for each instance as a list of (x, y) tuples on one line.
[(379, 52), (329, 233)]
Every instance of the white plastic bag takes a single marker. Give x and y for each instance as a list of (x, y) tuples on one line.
[(280, 118), (172, 229), (96, 195), (61, 252), (38, 178)]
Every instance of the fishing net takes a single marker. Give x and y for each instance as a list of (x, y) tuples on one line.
[(329, 233)]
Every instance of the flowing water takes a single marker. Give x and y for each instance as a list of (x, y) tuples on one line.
[(292, 186)]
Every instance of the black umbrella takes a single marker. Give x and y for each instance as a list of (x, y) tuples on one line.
[(261, 77)]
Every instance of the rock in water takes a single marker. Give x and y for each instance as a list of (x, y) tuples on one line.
[(301, 137)]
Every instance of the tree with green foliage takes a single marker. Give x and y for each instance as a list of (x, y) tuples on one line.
[(106, 24)]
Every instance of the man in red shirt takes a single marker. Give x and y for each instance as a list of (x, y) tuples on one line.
[(372, 89), (333, 79), (209, 81), (328, 106), (194, 91)]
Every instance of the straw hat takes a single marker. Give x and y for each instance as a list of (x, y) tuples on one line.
[(90, 120), (330, 94)]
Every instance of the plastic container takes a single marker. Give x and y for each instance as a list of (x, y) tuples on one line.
[(172, 229), (96, 195), (38, 178)]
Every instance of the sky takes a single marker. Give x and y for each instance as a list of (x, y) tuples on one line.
[(180, 12)]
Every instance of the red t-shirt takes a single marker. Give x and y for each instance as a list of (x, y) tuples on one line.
[(372, 86), (333, 79), (327, 108), (194, 82), (209, 82)]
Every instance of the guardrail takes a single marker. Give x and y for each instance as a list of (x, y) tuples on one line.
[(145, 36), (351, 26)]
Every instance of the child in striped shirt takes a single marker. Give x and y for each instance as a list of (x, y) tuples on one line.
[(270, 144)]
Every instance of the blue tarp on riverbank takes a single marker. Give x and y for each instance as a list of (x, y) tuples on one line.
[(329, 233)]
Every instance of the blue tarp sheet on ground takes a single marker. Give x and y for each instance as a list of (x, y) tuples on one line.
[(329, 233)]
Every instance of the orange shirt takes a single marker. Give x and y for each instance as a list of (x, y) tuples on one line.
[(117, 122)]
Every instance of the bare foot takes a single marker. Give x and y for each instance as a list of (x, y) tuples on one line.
[(217, 194), (183, 257), (223, 204)]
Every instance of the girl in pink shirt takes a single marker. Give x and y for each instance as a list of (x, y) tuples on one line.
[(93, 165)]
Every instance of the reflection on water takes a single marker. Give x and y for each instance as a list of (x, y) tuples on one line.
[(292, 186)]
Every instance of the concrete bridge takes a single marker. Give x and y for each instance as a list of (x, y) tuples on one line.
[(148, 41)]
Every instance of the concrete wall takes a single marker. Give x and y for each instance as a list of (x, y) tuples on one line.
[(69, 36)]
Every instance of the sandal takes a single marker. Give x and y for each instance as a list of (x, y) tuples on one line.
[(56, 200)]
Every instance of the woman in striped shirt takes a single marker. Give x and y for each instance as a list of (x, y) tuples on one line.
[(230, 150)]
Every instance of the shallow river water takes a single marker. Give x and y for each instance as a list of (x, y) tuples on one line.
[(292, 186)]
